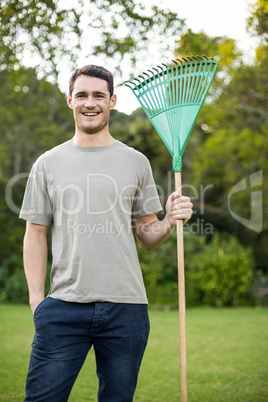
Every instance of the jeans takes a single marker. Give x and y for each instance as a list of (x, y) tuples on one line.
[(64, 333)]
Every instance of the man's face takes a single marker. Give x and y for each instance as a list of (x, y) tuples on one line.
[(91, 104)]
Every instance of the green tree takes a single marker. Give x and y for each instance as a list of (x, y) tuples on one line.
[(33, 116), (222, 48), (54, 30), (137, 131), (257, 23)]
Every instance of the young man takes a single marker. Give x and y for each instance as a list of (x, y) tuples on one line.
[(93, 190)]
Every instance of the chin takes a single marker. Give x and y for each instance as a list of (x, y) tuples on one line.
[(90, 130)]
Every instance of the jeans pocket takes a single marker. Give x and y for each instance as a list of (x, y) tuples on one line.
[(146, 317), (39, 307)]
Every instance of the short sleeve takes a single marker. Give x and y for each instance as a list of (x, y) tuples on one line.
[(36, 205), (146, 200)]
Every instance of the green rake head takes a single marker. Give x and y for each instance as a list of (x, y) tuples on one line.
[(172, 98)]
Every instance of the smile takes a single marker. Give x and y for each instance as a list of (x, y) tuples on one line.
[(90, 114)]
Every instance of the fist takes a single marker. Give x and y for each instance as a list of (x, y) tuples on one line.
[(178, 207)]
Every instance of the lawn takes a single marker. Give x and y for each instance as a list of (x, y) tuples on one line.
[(227, 356)]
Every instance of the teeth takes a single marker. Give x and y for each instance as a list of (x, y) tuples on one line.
[(90, 114)]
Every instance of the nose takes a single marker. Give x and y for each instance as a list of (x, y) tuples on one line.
[(90, 102)]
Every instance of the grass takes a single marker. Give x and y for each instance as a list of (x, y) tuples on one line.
[(227, 357)]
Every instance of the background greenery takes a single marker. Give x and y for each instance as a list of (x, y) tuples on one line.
[(226, 263)]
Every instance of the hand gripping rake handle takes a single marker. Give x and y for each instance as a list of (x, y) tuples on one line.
[(181, 295)]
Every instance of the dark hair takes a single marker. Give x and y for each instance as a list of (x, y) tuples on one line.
[(93, 71)]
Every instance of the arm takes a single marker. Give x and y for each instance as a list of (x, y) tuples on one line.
[(151, 232), (35, 262)]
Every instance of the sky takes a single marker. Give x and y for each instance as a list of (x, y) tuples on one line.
[(215, 18)]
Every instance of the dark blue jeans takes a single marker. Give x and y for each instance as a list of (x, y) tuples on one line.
[(64, 333)]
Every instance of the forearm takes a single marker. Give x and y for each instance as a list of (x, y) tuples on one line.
[(35, 266), (151, 232), (154, 234)]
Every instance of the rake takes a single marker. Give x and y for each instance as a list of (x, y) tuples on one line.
[(172, 98)]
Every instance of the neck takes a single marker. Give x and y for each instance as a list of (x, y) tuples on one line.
[(92, 140)]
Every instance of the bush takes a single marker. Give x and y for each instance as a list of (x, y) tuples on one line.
[(165, 294), (260, 289), (221, 274), (13, 286), (218, 272)]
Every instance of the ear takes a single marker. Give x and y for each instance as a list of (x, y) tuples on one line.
[(113, 102), (69, 101)]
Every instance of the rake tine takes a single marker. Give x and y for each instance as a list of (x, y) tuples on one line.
[(203, 83), (184, 66), (206, 85), (141, 76), (139, 85), (190, 81), (201, 74), (162, 83), (160, 94), (172, 80), (127, 85), (156, 86), (199, 78), (151, 99), (195, 79), (180, 61), (177, 86), (165, 82), (154, 68), (145, 73), (174, 61), (137, 79)]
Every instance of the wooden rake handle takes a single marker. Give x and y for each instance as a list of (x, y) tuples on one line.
[(181, 283)]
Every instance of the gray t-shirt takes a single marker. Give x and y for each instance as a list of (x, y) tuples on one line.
[(90, 196)]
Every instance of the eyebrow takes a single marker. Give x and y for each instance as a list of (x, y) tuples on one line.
[(94, 93)]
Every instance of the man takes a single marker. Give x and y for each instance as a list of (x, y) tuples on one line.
[(93, 190)]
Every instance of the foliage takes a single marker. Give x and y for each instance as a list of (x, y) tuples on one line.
[(258, 20), (54, 30), (137, 131), (221, 274), (218, 271), (34, 117), (221, 48), (41, 26), (13, 286)]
